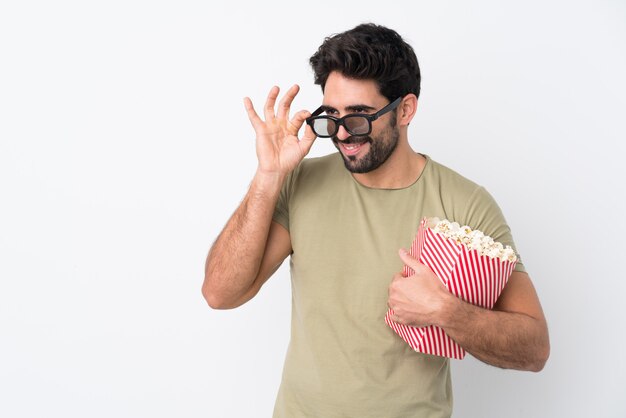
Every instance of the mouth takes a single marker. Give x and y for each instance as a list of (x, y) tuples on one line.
[(351, 149), (352, 146)]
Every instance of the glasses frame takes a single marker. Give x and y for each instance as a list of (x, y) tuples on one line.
[(341, 121)]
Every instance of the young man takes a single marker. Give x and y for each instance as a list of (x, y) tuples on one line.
[(344, 219)]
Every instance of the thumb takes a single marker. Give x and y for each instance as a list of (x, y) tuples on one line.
[(410, 261), (308, 138)]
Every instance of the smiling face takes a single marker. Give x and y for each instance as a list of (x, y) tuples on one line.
[(343, 96)]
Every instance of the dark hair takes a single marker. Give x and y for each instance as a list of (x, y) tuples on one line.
[(370, 52)]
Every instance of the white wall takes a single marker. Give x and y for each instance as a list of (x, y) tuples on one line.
[(124, 148)]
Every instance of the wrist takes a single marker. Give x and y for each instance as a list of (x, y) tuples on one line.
[(268, 182), (450, 313)]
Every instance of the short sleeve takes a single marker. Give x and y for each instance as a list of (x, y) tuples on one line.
[(484, 214), (281, 211)]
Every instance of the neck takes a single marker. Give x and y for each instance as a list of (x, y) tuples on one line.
[(402, 168)]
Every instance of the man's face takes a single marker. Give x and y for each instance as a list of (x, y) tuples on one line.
[(378, 148), (361, 154)]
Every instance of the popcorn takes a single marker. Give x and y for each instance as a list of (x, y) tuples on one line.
[(473, 239), (470, 264)]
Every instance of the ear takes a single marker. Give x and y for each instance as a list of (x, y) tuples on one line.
[(407, 109)]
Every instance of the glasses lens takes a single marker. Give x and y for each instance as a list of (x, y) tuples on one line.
[(324, 127), (357, 125)]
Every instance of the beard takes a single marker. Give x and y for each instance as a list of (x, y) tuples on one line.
[(381, 148)]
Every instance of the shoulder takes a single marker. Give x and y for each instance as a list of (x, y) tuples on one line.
[(450, 180), (462, 199)]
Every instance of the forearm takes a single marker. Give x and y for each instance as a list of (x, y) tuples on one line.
[(503, 339), (234, 259)]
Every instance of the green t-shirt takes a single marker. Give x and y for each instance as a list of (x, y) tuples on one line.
[(343, 360)]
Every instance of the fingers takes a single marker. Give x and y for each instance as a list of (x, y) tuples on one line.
[(283, 106), (298, 119), (285, 103), (391, 290), (392, 284), (309, 136), (397, 276), (391, 297), (268, 110), (294, 125), (255, 120), (394, 315)]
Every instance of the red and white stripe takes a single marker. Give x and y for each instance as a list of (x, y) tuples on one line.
[(476, 279)]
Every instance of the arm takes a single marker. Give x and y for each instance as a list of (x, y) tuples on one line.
[(248, 251), (251, 247), (512, 335)]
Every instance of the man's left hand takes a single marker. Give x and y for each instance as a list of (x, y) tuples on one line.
[(418, 300)]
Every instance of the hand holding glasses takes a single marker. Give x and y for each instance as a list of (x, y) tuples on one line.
[(279, 150)]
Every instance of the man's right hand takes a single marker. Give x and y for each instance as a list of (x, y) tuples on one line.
[(277, 145), (251, 246)]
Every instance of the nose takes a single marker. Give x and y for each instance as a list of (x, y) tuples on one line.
[(342, 134)]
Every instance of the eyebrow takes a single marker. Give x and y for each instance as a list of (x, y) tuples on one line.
[(351, 108)]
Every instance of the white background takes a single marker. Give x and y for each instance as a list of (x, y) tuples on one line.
[(124, 148)]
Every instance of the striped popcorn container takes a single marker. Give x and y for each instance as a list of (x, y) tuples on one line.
[(469, 274)]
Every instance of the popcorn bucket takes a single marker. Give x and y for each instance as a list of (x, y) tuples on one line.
[(469, 264)]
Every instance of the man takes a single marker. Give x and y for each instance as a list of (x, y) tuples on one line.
[(344, 219)]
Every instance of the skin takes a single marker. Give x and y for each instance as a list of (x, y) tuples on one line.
[(251, 246)]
